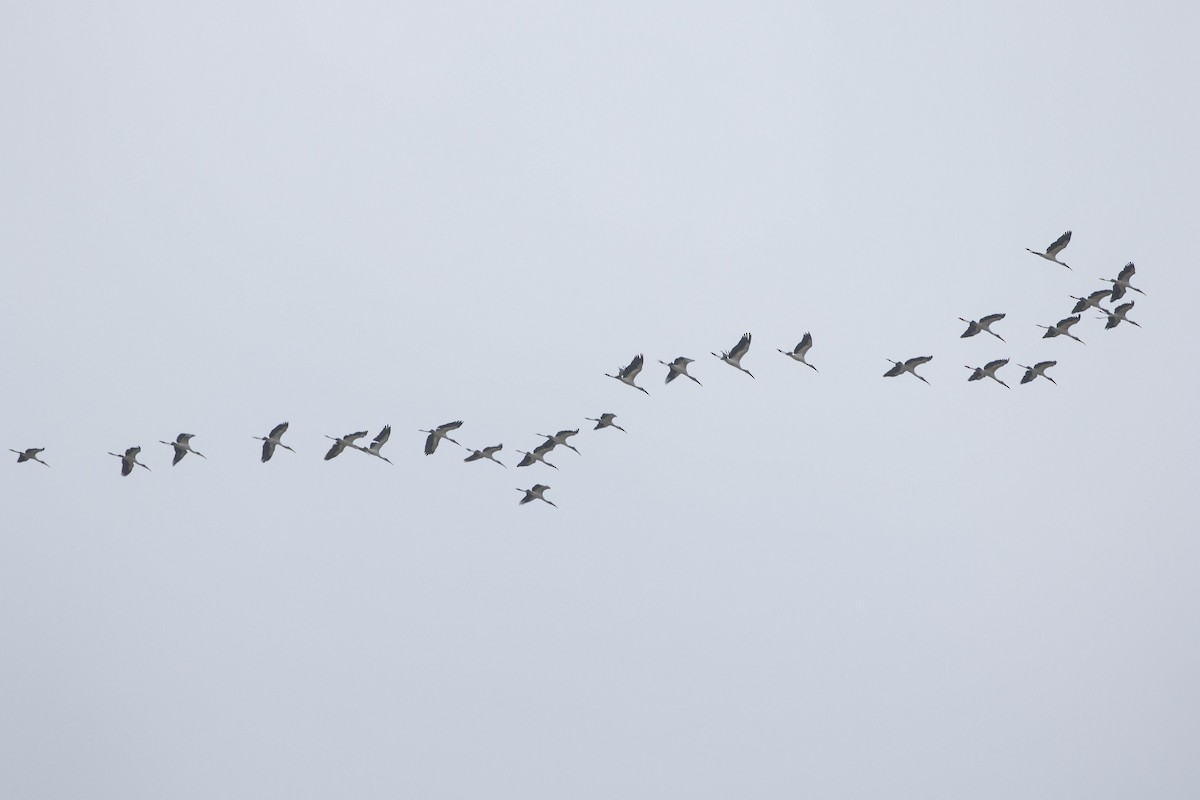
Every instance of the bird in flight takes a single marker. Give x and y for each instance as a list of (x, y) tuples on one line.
[(340, 443), (605, 421), (800, 350), (29, 454), (272, 441), (183, 446), (1121, 282), (1117, 315), (910, 366), (129, 459), (982, 324), (439, 433), (627, 375), (1053, 250), (988, 370), (553, 440), (535, 493), (679, 367), (377, 444), (488, 453), (1038, 370), (1062, 328)]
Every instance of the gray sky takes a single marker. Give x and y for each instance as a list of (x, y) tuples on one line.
[(219, 217)]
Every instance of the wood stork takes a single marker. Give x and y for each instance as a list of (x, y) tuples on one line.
[(1053, 250), (272, 441), (535, 493), (183, 446), (1121, 282), (488, 453), (627, 375), (988, 370), (340, 443), (801, 350), (910, 366), (1092, 301), (1117, 315), (29, 454), (439, 433), (129, 459), (982, 324), (539, 454), (1062, 328), (605, 421), (734, 357), (679, 367), (377, 444), (560, 438), (1038, 370)]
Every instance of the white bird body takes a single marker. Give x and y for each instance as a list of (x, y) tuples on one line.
[(272, 441), (1117, 315), (377, 444), (29, 454), (988, 370), (734, 357), (488, 453), (439, 433), (605, 421), (627, 375), (1121, 283), (909, 366), (800, 351), (1054, 249), (679, 367), (183, 446), (1038, 370), (534, 493), (1062, 328), (983, 324), (340, 443), (129, 459)]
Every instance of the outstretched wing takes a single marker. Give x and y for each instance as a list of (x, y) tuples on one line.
[(972, 329), (1042, 366), (740, 348), (1059, 244), (992, 366), (894, 371), (634, 367), (382, 438), (991, 318), (912, 363), (805, 344), (1127, 272), (450, 426), (278, 430), (268, 449), (1065, 324)]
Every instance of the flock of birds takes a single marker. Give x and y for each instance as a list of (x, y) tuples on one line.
[(679, 368)]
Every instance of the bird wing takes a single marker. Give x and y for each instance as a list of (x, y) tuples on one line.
[(1059, 244), (278, 430), (912, 363), (567, 434), (382, 438), (126, 465), (1029, 375), (184, 438), (972, 329), (894, 371), (539, 487), (1118, 291), (450, 426), (527, 460), (740, 348), (977, 375), (634, 367), (488, 451), (672, 374), (132, 452), (1126, 272), (338, 446), (991, 318), (992, 366), (1065, 324), (1099, 295), (1113, 321), (1042, 366), (474, 456), (268, 450), (1079, 307), (179, 454), (431, 443), (1123, 309), (805, 344)]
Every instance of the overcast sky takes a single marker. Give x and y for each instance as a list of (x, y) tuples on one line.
[(216, 217)]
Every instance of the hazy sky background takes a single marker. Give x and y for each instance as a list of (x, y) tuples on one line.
[(221, 216)]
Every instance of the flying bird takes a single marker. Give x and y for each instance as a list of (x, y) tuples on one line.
[(183, 446), (272, 441), (1053, 250), (488, 453), (1038, 370), (1062, 328), (534, 493), (605, 421), (377, 444), (627, 375), (1117, 315), (800, 350), (1121, 283), (734, 357), (988, 370), (340, 443), (901, 367), (561, 437), (29, 454), (539, 454), (982, 324), (129, 459), (439, 433), (679, 367), (1092, 300)]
